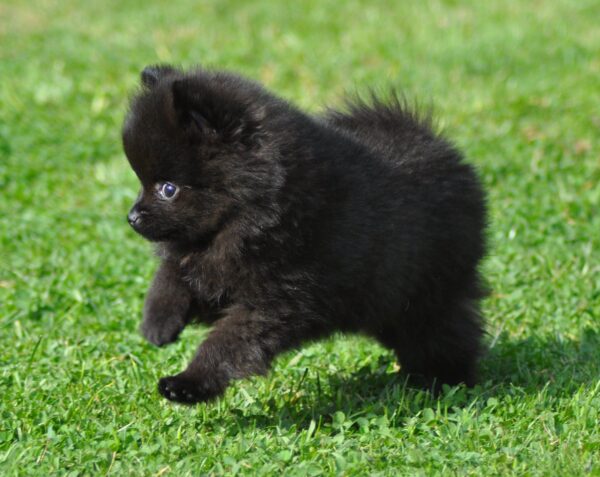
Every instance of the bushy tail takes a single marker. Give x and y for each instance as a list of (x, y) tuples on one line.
[(389, 124)]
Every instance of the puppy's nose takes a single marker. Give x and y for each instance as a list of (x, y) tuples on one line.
[(134, 217)]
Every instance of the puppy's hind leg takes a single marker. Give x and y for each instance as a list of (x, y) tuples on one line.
[(445, 348)]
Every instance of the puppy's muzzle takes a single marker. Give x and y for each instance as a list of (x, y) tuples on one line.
[(135, 217)]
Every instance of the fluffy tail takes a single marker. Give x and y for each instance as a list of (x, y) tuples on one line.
[(389, 122)]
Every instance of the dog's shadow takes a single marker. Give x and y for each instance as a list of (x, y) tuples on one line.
[(555, 365)]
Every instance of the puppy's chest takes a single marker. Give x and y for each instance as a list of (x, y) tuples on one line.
[(212, 278)]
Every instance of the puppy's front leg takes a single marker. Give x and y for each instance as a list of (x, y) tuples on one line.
[(241, 344), (167, 305)]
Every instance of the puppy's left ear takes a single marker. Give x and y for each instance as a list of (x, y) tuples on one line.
[(152, 74), (216, 114)]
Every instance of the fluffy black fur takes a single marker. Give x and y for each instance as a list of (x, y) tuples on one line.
[(287, 227)]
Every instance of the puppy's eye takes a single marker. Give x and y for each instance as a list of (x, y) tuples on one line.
[(167, 191)]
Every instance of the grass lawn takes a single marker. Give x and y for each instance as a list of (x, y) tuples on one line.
[(516, 84)]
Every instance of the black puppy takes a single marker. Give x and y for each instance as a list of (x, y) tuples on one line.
[(280, 227)]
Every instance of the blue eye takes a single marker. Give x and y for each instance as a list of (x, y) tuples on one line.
[(167, 190)]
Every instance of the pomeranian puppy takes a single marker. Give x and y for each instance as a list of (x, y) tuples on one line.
[(278, 227)]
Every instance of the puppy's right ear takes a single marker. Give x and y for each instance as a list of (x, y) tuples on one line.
[(216, 114), (152, 74), (187, 111)]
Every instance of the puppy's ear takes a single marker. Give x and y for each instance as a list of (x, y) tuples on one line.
[(152, 74), (187, 109), (217, 114)]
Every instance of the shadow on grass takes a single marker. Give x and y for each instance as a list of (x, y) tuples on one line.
[(555, 365)]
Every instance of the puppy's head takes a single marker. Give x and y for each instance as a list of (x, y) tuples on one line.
[(198, 145)]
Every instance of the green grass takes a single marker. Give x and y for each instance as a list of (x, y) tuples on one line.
[(515, 84)]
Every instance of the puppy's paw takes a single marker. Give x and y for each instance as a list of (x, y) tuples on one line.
[(162, 332), (188, 390)]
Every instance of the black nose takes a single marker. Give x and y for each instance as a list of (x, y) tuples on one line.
[(134, 217)]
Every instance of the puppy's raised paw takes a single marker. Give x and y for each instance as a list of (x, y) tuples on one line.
[(187, 390)]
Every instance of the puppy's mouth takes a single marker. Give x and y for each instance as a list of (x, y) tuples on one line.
[(140, 225), (137, 226)]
